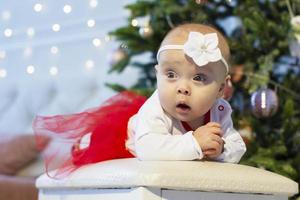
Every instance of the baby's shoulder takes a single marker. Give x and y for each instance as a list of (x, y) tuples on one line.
[(152, 105), (152, 110)]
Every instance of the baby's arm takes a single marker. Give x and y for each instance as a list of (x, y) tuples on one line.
[(153, 141), (229, 147), (234, 147), (157, 146)]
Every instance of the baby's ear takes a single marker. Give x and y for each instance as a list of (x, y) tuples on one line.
[(221, 90), (226, 85)]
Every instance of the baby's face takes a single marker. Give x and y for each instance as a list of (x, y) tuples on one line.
[(187, 91)]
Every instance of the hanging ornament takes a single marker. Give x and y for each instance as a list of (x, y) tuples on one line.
[(264, 103), (117, 55), (146, 31)]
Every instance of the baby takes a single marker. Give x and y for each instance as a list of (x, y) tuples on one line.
[(186, 118)]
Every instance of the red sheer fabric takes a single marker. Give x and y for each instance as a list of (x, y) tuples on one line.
[(106, 126)]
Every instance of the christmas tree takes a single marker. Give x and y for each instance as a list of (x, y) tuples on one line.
[(264, 38)]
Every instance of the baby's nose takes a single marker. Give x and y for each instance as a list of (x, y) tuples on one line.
[(184, 91)]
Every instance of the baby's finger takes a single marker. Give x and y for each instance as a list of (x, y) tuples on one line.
[(213, 124), (209, 152), (217, 139), (213, 145), (217, 131)]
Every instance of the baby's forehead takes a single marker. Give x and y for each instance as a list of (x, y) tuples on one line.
[(177, 59)]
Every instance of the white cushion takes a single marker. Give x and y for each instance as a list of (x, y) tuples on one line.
[(182, 175)]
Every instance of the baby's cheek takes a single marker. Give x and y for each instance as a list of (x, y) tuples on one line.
[(205, 98), (165, 99)]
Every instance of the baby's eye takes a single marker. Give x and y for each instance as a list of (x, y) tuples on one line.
[(200, 77), (171, 74)]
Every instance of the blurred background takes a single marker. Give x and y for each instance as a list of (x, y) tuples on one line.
[(59, 57), (55, 57)]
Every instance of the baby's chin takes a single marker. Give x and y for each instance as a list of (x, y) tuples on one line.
[(183, 117)]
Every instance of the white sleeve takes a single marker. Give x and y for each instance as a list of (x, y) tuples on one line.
[(167, 147), (234, 146), (153, 141)]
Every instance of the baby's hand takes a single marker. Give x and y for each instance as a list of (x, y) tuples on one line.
[(214, 153), (209, 139)]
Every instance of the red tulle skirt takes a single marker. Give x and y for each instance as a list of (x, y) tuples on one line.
[(91, 136)]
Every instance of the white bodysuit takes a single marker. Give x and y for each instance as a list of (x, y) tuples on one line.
[(155, 135)]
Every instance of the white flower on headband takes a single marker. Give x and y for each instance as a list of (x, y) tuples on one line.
[(202, 48)]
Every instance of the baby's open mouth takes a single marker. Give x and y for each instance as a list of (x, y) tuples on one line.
[(183, 107)]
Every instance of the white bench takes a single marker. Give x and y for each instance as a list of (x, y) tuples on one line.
[(131, 179)]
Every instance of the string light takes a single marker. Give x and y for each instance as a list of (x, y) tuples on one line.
[(91, 23), (54, 49), (53, 71), (201, 1), (134, 22), (107, 38), (3, 73), (67, 9), (56, 27), (30, 32), (2, 54), (38, 7), (97, 42), (93, 3), (89, 64), (6, 15), (8, 32), (123, 46), (30, 69)]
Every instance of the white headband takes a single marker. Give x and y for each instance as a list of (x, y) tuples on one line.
[(202, 48)]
